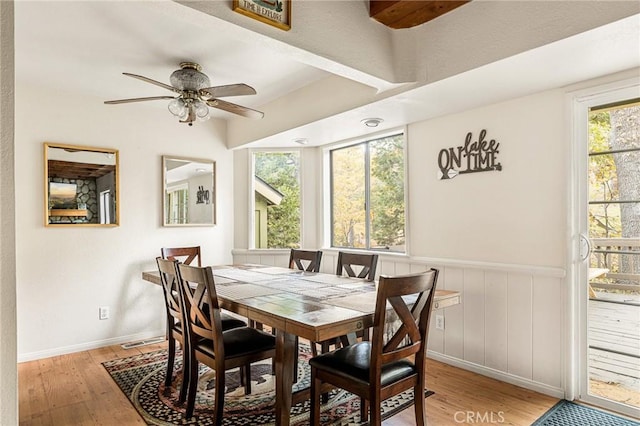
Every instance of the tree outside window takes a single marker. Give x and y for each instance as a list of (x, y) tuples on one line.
[(367, 195), (276, 199), (614, 191)]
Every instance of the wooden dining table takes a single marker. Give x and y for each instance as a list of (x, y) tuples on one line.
[(312, 306)]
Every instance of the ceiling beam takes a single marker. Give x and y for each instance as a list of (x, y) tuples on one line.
[(399, 14)]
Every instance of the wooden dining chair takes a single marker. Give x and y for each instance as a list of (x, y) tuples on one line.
[(235, 348), (309, 261), (174, 313), (305, 260), (378, 369), (366, 262), (185, 255), (188, 255), (358, 266)]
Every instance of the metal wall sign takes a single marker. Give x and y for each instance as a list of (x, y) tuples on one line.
[(472, 157)]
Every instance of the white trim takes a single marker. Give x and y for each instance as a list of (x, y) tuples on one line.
[(498, 375), (407, 191), (251, 234), (364, 138), (245, 252), (326, 183), (252, 172), (543, 271), (31, 356), (576, 360)]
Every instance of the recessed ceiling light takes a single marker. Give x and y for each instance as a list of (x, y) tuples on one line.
[(372, 122), (301, 141), (200, 170)]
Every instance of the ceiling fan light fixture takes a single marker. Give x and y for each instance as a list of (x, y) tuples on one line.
[(177, 107), (202, 110), (189, 77), (195, 95)]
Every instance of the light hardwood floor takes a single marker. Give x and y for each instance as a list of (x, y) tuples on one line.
[(76, 390)]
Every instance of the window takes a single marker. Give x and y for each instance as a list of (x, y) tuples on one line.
[(105, 207), (367, 195), (177, 204), (276, 187)]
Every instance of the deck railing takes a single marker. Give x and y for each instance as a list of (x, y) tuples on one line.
[(621, 256)]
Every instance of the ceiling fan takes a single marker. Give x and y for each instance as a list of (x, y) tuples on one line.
[(195, 95)]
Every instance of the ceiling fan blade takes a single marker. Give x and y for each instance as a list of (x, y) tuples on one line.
[(236, 109), (149, 80), (151, 98), (230, 90)]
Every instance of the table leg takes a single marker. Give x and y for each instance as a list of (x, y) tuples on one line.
[(285, 351)]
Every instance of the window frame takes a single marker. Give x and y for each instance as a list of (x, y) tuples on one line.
[(251, 194), (180, 190), (327, 185)]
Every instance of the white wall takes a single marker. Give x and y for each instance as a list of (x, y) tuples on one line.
[(514, 216), (499, 237), (65, 274)]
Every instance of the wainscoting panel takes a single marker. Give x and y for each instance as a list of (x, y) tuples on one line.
[(474, 318), (454, 316), (548, 324), (509, 325), (519, 325), (495, 299)]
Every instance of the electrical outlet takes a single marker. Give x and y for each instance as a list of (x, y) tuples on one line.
[(103, 312), (439, 322)]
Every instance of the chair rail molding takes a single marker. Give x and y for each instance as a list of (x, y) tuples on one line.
[(270, 256)]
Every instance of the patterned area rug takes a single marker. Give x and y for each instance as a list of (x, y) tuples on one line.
[(567, 413), (141, 378)]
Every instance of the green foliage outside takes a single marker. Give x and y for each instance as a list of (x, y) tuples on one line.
[(281, 171), (614, 191), (348, 196), (604, 219), (386, 195)]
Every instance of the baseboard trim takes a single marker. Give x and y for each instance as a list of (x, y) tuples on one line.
[(498, 375), (32, 356)]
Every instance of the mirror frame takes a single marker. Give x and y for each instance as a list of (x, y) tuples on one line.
[(47, 145), (212, 197)]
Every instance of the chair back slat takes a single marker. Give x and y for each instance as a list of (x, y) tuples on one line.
[(298, 259), (368, 263), (185, 255), (201, 305), (171, 290), (411, 336)]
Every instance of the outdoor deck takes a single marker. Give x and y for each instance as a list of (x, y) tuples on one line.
[(614, 347)]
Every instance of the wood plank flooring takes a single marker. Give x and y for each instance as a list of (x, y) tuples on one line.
[(76, 390)]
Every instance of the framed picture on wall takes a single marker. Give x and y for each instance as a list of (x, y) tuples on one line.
[(62, 195), (272, 12)]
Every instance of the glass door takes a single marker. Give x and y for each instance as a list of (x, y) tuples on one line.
[(610, 375)]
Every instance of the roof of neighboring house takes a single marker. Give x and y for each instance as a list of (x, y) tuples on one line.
[(268, 192)]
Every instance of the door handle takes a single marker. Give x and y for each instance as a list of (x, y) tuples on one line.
[(585, 247)]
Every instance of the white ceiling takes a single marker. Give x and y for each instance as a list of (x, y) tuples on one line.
[(84, 46)]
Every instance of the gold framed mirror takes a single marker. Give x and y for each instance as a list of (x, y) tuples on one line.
[(81, 186), (189, 191)]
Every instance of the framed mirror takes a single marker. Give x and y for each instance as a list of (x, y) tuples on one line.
[(189, 191), (81, 186)]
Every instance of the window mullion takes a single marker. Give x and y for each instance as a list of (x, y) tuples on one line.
[(367, 193)]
